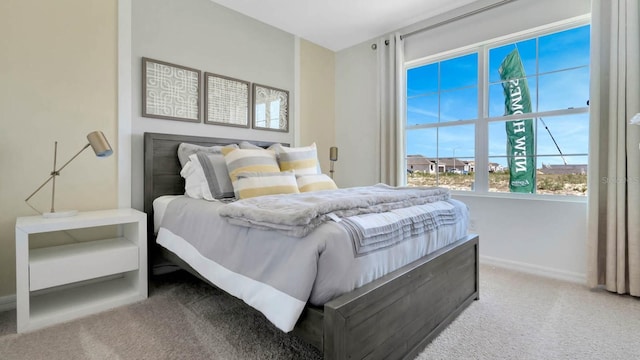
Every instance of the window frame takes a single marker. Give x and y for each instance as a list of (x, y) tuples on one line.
[(481, 181)]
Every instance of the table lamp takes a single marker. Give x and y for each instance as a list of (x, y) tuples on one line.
[(100, 146), (333, 156)]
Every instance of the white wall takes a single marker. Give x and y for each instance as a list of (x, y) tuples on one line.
[(203, 35), (542, 236), (357, 125)]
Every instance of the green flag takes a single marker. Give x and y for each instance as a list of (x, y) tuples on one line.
[(520, 150)]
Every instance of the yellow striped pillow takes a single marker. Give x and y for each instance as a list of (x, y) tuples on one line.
[(302, 160), (318, 182), (252, 184), (249, 160)]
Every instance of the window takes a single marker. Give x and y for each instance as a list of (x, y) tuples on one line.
[(509, 116)]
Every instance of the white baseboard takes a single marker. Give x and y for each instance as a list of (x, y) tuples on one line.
[(535, 269), (7, 303)]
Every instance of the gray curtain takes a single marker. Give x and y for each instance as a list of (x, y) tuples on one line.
[(614, 163), (390, 64)]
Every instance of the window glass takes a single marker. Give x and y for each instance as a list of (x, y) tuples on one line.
[(545, 76), (443, 156), (443, 91), (497, 98), (459, 104), (423, 142), (422, 80), (459, 72), (564, 89), (561, 145), (555, 177), (422, 155), (422, 109), (567, 134), (527, 50), (564, 50)]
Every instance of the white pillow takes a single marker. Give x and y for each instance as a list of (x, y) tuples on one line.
[(193, 179)]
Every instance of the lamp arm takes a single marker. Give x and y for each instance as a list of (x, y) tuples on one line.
[(40, 187), (55, 173)]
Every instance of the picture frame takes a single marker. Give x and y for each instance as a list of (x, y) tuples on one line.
[(170, 91), (270, 108), (227, 101)]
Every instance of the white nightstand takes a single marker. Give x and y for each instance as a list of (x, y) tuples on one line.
[(60, 283)]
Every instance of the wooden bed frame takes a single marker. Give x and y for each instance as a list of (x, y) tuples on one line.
[(393, 317)]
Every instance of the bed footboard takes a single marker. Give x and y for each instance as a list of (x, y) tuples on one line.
[(396, 316)]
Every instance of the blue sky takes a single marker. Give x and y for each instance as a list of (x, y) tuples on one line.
[(447, 91)]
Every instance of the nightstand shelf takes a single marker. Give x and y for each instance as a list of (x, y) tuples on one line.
[(61, 283)]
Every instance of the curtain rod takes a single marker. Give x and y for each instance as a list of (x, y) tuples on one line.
[(455, 18)]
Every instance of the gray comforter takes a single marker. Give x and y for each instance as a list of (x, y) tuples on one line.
[(278, 274)]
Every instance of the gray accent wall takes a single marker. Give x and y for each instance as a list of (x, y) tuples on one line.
[(206, 36)]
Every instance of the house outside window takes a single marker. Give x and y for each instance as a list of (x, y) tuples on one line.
[(508, 116)]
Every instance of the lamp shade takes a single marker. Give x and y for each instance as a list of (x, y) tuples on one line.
[(99, 144), (333, 153)]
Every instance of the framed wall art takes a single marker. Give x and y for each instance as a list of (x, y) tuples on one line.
[(170, 91), (226, 101), (270, 108)]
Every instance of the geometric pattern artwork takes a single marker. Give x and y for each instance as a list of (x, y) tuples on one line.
[(170, 91), (226, 101), (270, 108)]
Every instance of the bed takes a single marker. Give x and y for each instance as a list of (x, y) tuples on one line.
[(394, 316)]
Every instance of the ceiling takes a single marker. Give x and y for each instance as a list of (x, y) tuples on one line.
[(339, 24)]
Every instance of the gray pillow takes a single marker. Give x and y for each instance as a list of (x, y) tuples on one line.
[(215, 172), (186, 149)]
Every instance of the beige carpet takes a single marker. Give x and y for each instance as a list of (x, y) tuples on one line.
[(524, 317), (518, 317), (183, 318)]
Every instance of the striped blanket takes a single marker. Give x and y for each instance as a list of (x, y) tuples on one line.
[(371, 232)]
